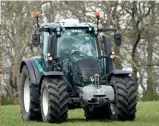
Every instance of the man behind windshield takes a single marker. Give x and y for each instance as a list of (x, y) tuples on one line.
[(81, 41)]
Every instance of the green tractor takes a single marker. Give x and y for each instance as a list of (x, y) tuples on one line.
[(73, 73)]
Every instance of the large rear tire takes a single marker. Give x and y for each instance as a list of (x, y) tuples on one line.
[(28, 105), (54, 100), (125, 97)]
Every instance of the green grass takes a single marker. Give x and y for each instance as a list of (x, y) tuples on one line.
[(147, 115)]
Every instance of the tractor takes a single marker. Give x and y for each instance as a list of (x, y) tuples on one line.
[(73, 71)]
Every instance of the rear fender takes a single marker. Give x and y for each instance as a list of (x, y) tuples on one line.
[(51, 74), (34, 73), (118, 73), (34, 76)]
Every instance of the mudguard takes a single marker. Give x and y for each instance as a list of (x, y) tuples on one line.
[(34, 74), (118, 73), (51, 74), (121, 72)]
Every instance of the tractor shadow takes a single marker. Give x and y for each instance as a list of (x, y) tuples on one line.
[(84, 120), (76, 120)]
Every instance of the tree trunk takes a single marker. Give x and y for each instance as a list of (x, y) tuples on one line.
[(135, 64), (151, 89), (0, 73), (151, 85)]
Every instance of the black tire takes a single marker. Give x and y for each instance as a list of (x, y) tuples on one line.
[(125, 97), (97, 113), (57, 100), (32, 113)]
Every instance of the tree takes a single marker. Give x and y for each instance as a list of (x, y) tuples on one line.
[(17, 24)]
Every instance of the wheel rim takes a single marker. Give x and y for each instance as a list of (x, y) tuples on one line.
[(113, 110), (27, 95), (45, 102)]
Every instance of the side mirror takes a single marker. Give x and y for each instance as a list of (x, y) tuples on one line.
[(117, 38), (35, 39)]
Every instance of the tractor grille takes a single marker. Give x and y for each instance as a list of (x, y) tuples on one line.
[(88, 67)]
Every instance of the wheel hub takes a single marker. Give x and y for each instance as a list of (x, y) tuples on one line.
[(45, 102), (27, 95), (112, 107)]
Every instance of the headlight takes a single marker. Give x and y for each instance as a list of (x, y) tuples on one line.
[(95, 28), (84, 79), (58, 33), (95, 32), (58, 29), (90, 29), (63, 29)]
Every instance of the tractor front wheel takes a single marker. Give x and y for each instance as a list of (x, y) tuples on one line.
[(125, 97), (54, 100)]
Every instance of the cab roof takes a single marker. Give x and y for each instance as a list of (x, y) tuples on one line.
[(66, 25)]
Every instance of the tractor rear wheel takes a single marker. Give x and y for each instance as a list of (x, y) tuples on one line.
[(54, 100), (125, 97), (28, 105)]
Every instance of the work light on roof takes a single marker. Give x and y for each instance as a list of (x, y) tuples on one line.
[(58, 29), (63, 29), (58, 33), (90, 28), (95, 28)]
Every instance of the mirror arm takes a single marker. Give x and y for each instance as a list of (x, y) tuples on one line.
[(103, 57), (37, 21), (97, 22), (107, 30), (35, 34), (44, 29)]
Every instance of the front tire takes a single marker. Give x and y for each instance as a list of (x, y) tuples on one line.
[(28, 105), (125, 97), (54, 100)]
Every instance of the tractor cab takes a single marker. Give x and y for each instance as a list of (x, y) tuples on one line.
[(77, 49), (71, 48)]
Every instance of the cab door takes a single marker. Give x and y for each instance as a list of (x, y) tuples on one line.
[(45, 36)]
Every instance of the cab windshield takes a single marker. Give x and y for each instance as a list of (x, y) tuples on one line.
[(78, 40)]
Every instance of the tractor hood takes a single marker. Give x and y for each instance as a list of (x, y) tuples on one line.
[(84, 68)]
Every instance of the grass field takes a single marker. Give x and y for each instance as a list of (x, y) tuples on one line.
[(147, 115)]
